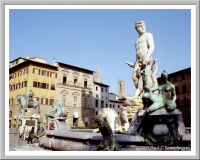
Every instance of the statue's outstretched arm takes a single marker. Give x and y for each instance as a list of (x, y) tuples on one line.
[(130, 64), (54, 109)]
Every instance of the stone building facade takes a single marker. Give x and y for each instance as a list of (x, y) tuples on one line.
[(71, 85), (114, 103), (31, 73), (74, 89)]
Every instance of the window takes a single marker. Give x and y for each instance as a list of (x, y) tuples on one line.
[(106, 105), (96, 112), (24, 84), (110, 105), (64, 78), (97, 96), (44, 85), (184, 89), (36, 71), (14, 75), (10, 101), (177, 91), (85, 103), (75, 81), (106, 98), (20, 73), (102, 104), (118, 106), (75, 98), (10, 114), (182, 75), (52, 86), (35, 84), (85, 83), (53, 74), (101, 97), (96, 103), (101, 89), (175, 79), (63, 100), (86, 121), (120, 88), (45, 73), (51, 101), (185, 102), (113, 106), (40, 85), (26, 71), (13, 87), (106, 90), (18, 85), (44, 101), (96, 88), (75, 101)]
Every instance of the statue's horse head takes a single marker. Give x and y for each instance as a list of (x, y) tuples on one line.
[(21, 99)]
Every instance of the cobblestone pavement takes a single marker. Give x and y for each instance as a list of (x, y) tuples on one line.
[(23, 146)]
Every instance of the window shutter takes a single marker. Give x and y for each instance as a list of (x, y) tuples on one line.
[(51, 101), (42, 72), (55, 75), (46, 101), (47, 86), (41, 100), (39, 71), (33, 70), (47, 73), (38, 84)]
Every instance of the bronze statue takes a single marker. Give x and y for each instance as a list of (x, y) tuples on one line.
[(60, 111), (108, 143), (165, 98)]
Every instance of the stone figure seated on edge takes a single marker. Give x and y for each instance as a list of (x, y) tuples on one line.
[(108, 143), (41, 130), (166, 96), (57, 111)]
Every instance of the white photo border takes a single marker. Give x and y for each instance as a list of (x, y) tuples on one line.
[(5, 154)]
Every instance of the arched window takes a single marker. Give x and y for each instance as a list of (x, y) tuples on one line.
[(177, 103), (185, 102), (184, 89), (177, 91)]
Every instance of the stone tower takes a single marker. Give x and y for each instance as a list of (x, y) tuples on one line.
[(97, 76), (122, 88)]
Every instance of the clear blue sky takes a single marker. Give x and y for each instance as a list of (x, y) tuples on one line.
[(86, 37)]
